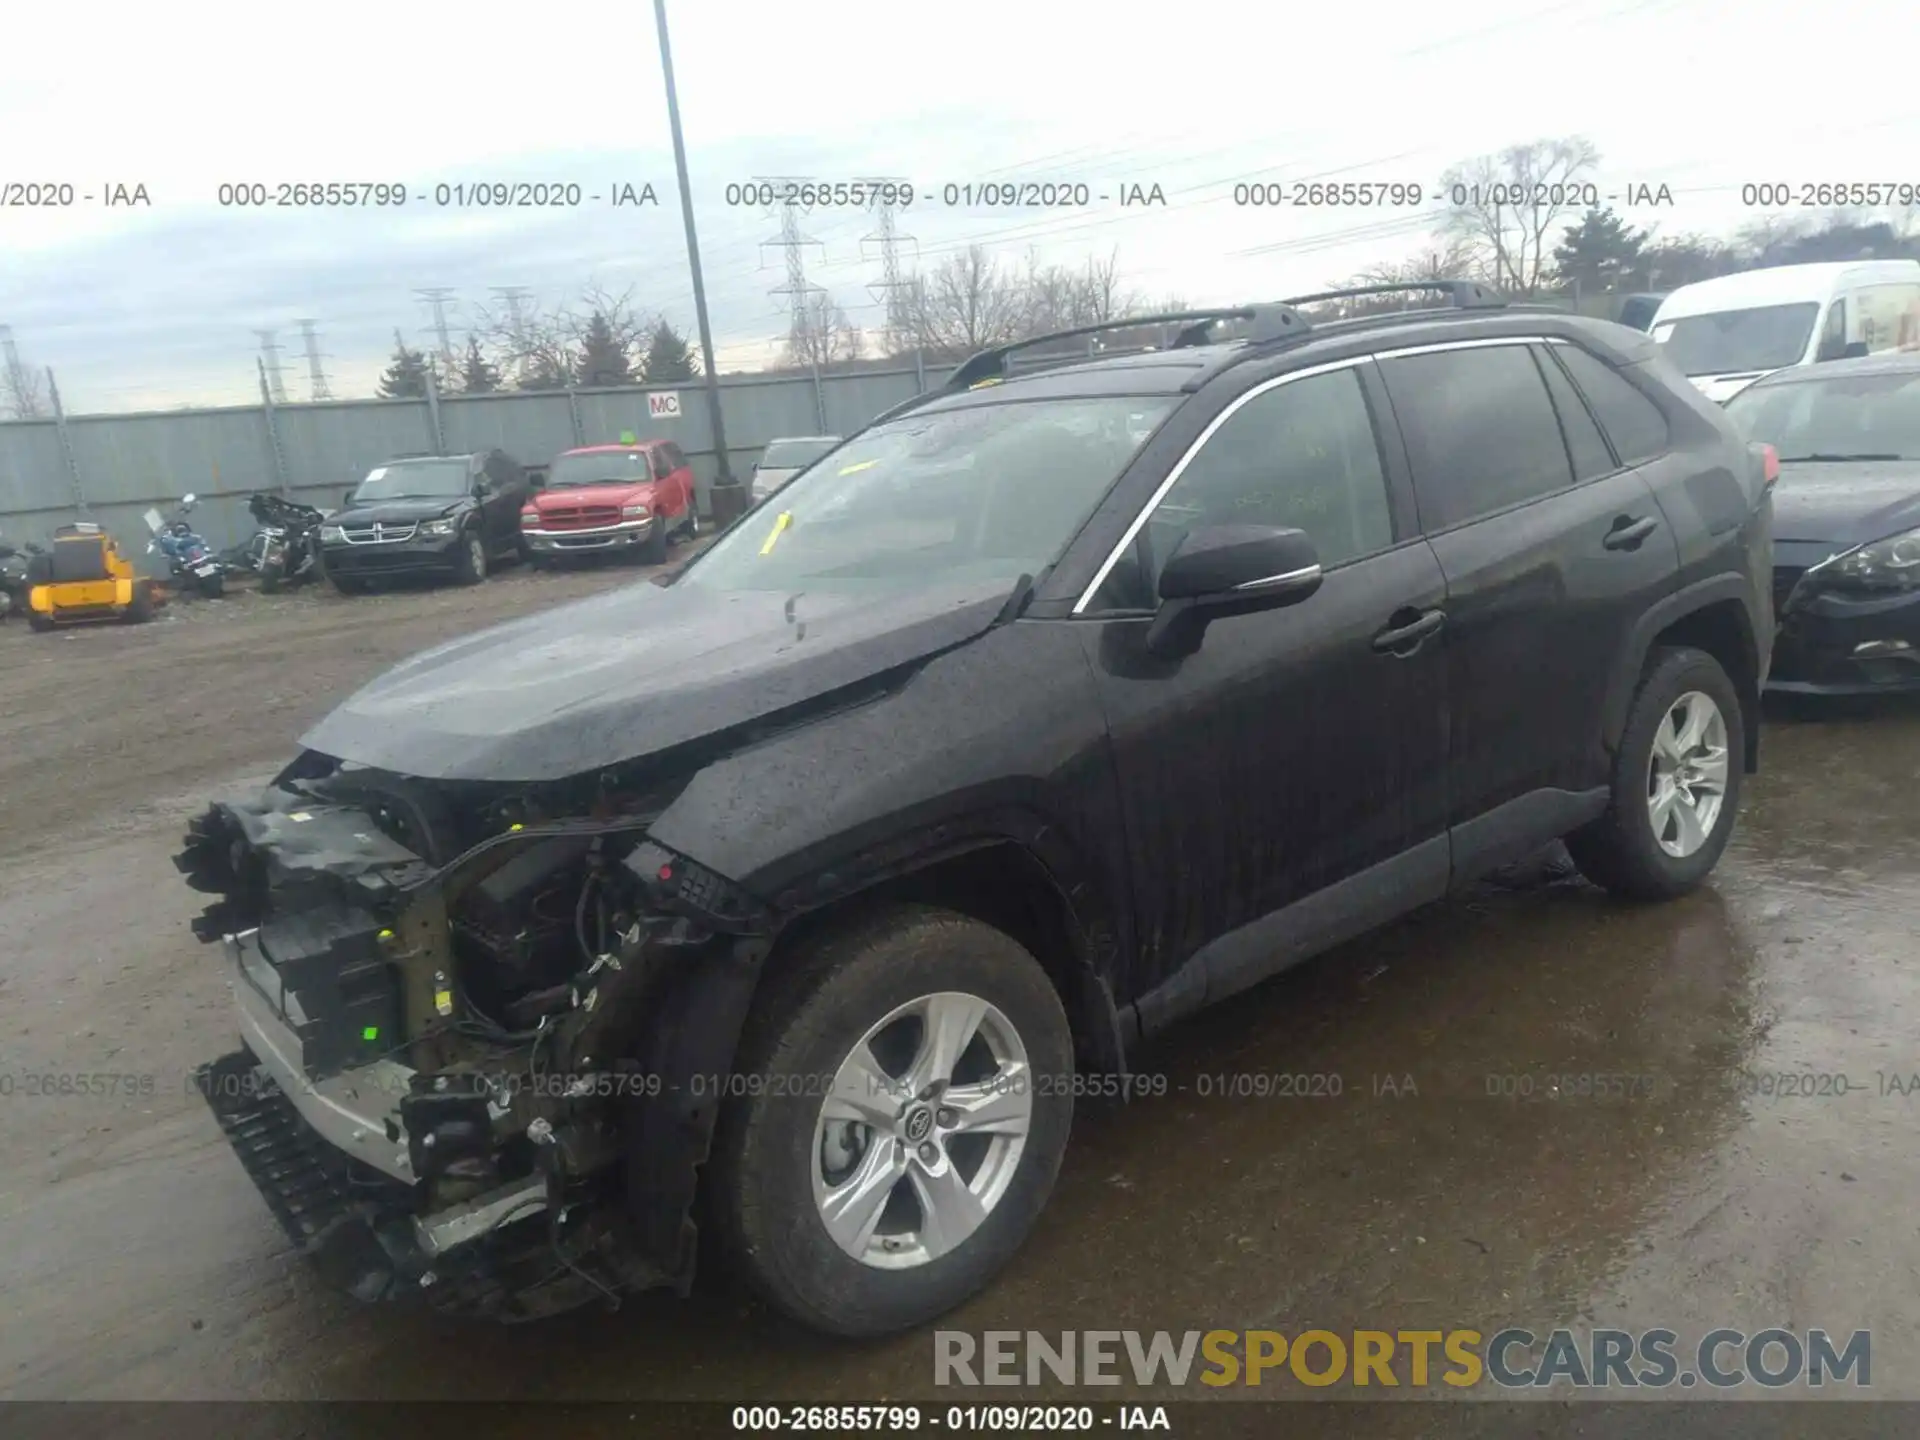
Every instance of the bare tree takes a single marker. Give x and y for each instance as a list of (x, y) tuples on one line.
[(1506, 206), (968, 303), (1447, 258), (540, 348), (824, 337), (20, 394)]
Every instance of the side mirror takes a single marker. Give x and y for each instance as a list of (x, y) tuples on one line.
[(1221, 570), (346, 500), (1855, 350)]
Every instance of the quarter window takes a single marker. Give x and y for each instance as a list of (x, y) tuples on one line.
[(1632, 421), (1480, 429), (1584, 443), (1302, 455)]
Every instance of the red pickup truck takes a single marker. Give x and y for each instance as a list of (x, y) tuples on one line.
[(625, 499)]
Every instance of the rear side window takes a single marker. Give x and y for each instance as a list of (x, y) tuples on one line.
[(1480, 429), (1584, 444), (674, 458), (1632, 421)]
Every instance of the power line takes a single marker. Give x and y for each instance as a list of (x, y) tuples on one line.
[(512, 296), (317, 387), (22, 385), (270, 357)]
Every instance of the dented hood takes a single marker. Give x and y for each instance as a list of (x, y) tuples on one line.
[(631, 673)]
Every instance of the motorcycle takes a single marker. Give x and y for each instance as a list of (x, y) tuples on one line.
[(15, 579), (189, 558), (289, 541)]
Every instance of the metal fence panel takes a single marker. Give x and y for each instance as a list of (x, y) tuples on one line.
[(130, 462)]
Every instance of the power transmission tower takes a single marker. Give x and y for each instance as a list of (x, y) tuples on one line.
[(317, 386), (512, 295), (270, 357), (438, 300), (894, 291), (19, 386), (800, 294)]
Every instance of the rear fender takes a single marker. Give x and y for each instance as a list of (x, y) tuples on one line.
[(1689, 600)]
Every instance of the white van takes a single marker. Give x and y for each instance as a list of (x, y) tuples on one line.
[(1727, 333)]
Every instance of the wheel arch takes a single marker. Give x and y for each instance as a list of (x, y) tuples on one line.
[(1713, 615)]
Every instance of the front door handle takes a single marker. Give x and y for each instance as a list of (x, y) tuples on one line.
[(1404, 637), (1628, 532)]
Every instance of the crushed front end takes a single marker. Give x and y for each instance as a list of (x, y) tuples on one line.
[(474, 1024)]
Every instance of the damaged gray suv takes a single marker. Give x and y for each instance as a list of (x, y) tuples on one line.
[(793, 900)]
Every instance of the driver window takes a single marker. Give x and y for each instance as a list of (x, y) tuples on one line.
[(1302, 455)]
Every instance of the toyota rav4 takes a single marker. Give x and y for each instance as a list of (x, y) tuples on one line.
[(786, 896)]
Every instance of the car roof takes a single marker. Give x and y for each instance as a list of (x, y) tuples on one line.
[(1186, 368), (1779, 284), (650, 444), (803, 439), (1887, 362)]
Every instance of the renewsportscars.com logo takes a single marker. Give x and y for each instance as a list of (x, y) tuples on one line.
[(1511, 1359)]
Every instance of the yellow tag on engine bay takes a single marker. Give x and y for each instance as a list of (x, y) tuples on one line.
[(779, 526), (862, 465)]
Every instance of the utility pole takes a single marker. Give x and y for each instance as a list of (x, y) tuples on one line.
[(725, 476), (893, 291), (317, 387), (438, 300), (19, 386), (512, 296), (270, 357)]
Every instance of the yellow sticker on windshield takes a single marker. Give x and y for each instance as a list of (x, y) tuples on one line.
[(786, 519), (856, 469)]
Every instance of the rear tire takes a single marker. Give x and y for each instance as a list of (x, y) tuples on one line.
[(1623, 851), (786, 1154), (37, 621), (140, 608), (690, 528), (271, 574)]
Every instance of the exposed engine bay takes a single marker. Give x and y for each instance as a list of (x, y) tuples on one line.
[(464, 1071)]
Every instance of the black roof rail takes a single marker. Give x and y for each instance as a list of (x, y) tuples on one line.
[(1461, 294)]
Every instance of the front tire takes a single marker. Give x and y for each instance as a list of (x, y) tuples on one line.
[(1676, 782), (140, 608), (271, 574), (471, 567), (653, 550), (873, 1201)]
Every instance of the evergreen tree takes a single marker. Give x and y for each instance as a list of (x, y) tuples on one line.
[(668, 358), (406, 377), (478, 375), (603, 359), (1600, 252)]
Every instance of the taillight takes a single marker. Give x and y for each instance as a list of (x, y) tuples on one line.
[(1769, 464)]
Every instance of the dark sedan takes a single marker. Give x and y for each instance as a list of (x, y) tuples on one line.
[(1846, 551)]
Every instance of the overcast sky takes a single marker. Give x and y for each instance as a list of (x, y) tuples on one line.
[(154, 307)]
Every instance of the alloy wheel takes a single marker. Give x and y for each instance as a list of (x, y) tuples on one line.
[(1687, 774), (923, 1130)]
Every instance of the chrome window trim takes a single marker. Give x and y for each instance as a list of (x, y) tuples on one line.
[(1485, 344), (1132, 531), (1305, 572)]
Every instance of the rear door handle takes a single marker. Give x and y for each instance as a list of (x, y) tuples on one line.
[(1628, 532), (1405, 638)]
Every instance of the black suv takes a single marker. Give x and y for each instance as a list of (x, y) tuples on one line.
[(791, 895), (444, 515)]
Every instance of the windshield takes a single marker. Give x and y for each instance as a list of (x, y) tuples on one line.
[(794, 454), (1768, 338), (604, 467), (414, 480), (987, 493), (1844, 417)]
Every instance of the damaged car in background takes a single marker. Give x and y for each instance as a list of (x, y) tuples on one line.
[(794, 899)]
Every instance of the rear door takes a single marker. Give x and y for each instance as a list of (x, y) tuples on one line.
[(1552, 548), (679, 479)]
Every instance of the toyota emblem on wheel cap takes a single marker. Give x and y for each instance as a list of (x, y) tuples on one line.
[(918, 1124)]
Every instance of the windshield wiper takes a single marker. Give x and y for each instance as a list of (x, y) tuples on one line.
[(1822, 458)]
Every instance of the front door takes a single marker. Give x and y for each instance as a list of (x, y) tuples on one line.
[(1293, 768)]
